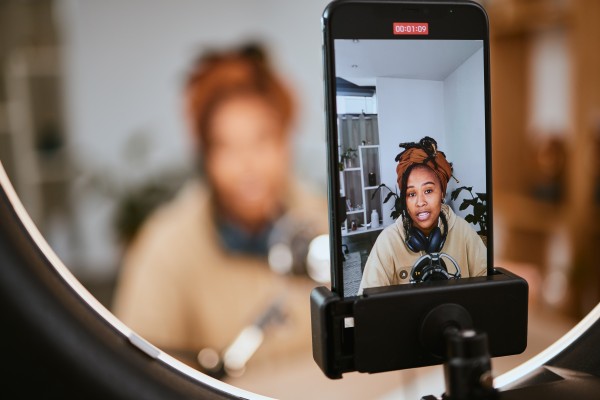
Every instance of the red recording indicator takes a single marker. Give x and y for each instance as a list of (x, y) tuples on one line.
[(411, 28)]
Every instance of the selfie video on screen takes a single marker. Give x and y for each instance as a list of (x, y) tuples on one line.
[(412, 161)]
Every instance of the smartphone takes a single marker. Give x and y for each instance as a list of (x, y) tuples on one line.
[(409, 142), (409, 158)]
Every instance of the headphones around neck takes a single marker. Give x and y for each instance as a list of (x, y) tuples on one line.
[(416, 240)]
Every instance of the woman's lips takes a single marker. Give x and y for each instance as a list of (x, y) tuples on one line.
[(423, 215)]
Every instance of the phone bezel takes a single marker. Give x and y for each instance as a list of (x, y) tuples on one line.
[(373, 20)]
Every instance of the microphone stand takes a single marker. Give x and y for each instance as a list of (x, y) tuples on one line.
[(468, 368)]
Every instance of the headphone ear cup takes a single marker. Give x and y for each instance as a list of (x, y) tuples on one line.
[(416, 241), (435, 241), (442, 242), (418, 272), (445, 234)]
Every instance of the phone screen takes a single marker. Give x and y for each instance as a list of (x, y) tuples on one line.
[(409, 143)]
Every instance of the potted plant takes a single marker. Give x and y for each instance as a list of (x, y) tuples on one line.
[(478, 202), (397, 207), (346, 157)]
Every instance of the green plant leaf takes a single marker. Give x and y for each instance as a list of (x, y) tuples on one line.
[(455, 193), (389, 196), (465, 204), (377, 190)]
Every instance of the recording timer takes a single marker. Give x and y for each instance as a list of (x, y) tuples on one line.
[(411, 28)]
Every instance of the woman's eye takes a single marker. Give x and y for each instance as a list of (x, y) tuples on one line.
[(412, 194), (428, 191)]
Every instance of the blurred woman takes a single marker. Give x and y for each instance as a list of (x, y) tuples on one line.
[(197, 274)]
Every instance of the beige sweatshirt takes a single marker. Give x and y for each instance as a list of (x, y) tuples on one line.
[(390, 260), (181, 290)]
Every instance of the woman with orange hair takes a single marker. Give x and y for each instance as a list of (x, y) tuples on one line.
[(426, 226), (197, 275)]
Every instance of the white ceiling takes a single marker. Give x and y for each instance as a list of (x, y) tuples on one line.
[(361, 61)]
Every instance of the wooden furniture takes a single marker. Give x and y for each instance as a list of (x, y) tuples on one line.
[(533, 223), (359, 188)]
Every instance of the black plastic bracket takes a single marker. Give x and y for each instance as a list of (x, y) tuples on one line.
[(390, 328)]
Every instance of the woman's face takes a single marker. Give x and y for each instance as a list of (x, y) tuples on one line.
[(247, 159), (423, 198)]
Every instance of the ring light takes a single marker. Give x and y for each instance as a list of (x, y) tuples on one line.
[(59, 340)]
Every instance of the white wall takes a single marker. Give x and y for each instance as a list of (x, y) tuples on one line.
[(125, 63), (451, 111), (465, 126), (408, 110)]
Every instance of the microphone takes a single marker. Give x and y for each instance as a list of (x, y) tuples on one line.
[(297, 248), (431, 267), (232, 362)]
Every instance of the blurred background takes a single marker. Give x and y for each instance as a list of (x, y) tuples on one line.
[(91, 107), (92, 135)]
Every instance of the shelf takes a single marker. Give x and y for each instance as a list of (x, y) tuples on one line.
[(527, 17), (527, 214), (355, 212), (362, 230), (356, 187)]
